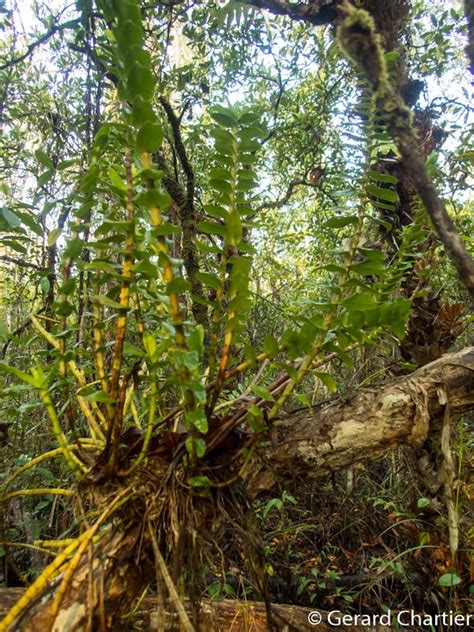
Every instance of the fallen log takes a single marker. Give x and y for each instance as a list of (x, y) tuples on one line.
[(228, 615), (367, 423), (105, 579), (225, 615)]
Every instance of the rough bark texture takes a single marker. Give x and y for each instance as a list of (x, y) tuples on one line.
[(187, 216), (359, 426), (359, 40), (219, 616), (102, 589), (317, 12), (367, 423), (445, 228), (469, 10)]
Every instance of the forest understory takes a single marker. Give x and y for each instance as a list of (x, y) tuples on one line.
[(236, 330)]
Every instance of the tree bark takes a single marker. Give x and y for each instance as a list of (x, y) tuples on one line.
[(366, 423), (220, 616), (469, 11), (102, 588), (317, 12), (358, 426)]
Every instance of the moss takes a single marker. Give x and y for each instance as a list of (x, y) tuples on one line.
[(397, 116), (357, 35), (360, 41)]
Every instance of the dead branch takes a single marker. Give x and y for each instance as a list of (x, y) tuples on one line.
[(367, 423), (317, 12)]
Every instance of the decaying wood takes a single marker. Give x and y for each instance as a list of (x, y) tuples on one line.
[(236, 616), (103, 586), (218, 616), (367, 423), (359, 426)]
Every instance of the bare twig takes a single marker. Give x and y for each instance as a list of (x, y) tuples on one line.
[(57, 28), (285, 199), (20, 262), (435, 207), (17, 332), (178, 604)]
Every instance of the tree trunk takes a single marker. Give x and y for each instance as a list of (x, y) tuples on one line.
[(358, 426), (222, 616), (366, 423), (102, 588)]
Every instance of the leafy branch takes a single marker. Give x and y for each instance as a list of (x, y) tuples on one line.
[(361, 43)]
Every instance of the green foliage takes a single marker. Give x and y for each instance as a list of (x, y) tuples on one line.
[(333, 297), (447, 580), (281, 199)]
